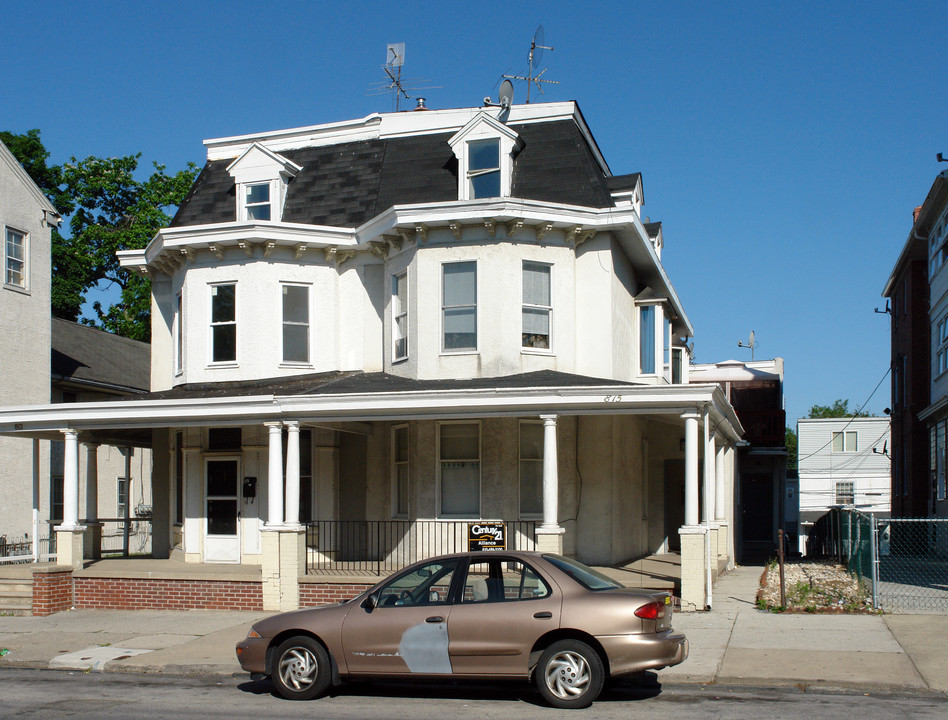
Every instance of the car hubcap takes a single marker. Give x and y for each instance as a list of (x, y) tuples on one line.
[(567, 675), (298, 668)]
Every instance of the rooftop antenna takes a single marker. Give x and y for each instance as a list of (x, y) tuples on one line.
[(533, 62), (751, 343), (396, 84)]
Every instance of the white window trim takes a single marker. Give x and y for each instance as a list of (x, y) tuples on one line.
[(477, 316), (394, 469), (484, 127), (397, 279), (27, 248), (274, 192), (210, 326), (309, 326), (520, 459), (274, 169), (480, 470), (529, 350)]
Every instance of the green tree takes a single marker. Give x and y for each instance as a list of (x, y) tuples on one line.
[(109, 210), (839, 409), (790, 440)]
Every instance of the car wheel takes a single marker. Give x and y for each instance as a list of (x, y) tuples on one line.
[(301, 669), (569, 674)]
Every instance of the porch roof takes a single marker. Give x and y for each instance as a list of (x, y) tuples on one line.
[(361, 397)]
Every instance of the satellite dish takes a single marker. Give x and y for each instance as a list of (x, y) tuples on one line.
[(750, 340), (506, 97), (539, 45)]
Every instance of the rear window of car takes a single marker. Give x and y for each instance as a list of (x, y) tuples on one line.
[(583, 574)]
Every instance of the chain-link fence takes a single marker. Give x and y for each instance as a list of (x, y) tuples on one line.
[(913, 565), (905, 559)]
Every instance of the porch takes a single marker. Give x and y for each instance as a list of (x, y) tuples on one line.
[(171, 584)]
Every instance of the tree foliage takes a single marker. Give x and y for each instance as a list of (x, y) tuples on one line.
[(839, 409), (790, 441), (109, 210)]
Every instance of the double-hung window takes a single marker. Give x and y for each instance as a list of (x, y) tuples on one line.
[(537, 305), (14, 259), (224, 323), (257, 201), (459, 460), (647, 339), (844, 441), (483, 168), (400, 471), (941, 346), (179, 334), (295, 324), (531, 468), (400, 316), (459, 306)]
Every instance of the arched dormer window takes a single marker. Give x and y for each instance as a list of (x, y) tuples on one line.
[(261, 177), (484, 148)]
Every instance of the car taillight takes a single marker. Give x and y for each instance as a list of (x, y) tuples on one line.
[(651, 611)]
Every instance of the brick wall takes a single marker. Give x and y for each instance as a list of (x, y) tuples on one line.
[(166, 594), (52, 591), (328, 593)]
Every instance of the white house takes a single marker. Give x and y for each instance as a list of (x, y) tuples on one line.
[(426, 319), (47, 360), (842, 462)]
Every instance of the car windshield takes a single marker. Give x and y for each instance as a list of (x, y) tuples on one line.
[(583, 574)]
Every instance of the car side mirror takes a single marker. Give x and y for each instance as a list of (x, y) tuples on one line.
[(371, 601)]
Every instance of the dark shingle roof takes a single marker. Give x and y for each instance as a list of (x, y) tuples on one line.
[(347, 184), (344, 383), (623, 182), (652, 228), (92, 357)]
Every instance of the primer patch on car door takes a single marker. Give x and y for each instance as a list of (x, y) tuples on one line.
[(424, 648)]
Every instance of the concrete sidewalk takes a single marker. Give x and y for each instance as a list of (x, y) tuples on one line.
[(734, 643)]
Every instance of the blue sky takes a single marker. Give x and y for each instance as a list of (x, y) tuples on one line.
[(783, 146)]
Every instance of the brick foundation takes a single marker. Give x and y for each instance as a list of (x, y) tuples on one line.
[(52, 590), (327, 593), (166, 594)]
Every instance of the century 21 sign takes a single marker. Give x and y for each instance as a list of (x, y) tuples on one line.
[(486, 536)]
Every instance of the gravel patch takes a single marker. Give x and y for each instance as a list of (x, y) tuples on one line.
[(814, 587)]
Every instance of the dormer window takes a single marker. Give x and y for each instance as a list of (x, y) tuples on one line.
[(484, 148), (257, 201), (262, 178), (483, 168)]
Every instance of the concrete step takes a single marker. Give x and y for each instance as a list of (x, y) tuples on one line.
[(16, 597)]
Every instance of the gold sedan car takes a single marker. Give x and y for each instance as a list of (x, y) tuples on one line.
[(478, 615)]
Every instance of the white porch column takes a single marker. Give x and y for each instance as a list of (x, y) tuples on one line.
[(70, 481), (69, 535), (691, 468), (711, 477), (550, 534), (693, 536), (292, 518), (720, 486), (275, 474)]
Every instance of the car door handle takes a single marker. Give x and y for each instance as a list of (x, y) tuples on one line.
[(434, 619), (543, 615)]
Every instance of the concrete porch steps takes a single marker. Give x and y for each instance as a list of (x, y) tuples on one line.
[(16, 597)]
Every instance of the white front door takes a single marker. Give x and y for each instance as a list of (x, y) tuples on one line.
[(222, 510)]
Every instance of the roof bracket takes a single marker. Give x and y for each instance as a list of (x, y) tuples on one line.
[(217, 251), (394, 242), (421, 230), (406, 236), (543, 229), (247, 247), (300, 249), (455, 228), (379, 249), (491, 227), (268, 248), (513, 226)]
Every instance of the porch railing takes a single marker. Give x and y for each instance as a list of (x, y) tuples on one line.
[(379, 547), (19, 549)]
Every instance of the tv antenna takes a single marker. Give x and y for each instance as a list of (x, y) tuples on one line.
[(537, 47), (751, 343), (396, 84)]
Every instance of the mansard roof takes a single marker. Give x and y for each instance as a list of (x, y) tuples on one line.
[(346, 184)]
